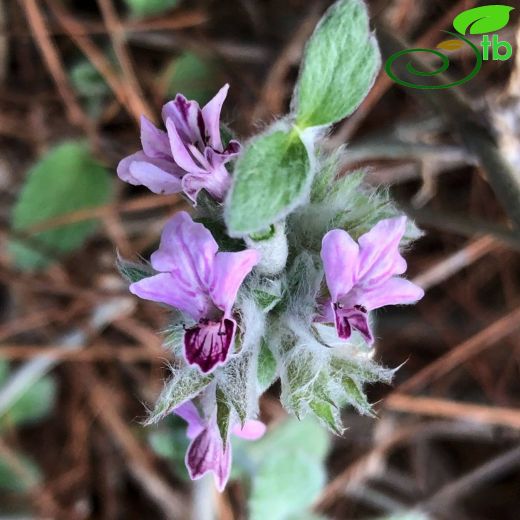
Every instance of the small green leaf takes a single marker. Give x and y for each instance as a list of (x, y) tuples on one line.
[(306, 436), (339, 66), (285, 484), (4, 370), (90, 85), (481, 20), (11, 480), (271, 178), (364, 370), (223, 415), (34, 404), (66, 179), (266, 371), (236, 381), (143, 8), (356, 397), (266, 300), (134, 271), (194, 77), (185, 383), (328, 414)]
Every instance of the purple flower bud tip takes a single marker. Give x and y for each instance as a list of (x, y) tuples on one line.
[(189, 156), (201, 282), (207, 451), (362, 276)]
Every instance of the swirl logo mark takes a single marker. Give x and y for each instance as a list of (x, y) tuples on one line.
[(476, 21)]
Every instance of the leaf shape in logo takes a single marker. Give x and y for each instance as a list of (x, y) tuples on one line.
[(484, 19), (450, 45)]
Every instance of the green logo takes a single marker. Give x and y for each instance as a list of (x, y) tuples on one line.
[(480, 20)]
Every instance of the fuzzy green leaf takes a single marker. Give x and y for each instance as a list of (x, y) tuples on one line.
[(356, 397), (363, 370), (236, 381), (271, 178), (66, 179), (339, 67), (223, 415), (328, 414), (484, 19), (185, 383), (266, 371), (133, 271), (285, 484)]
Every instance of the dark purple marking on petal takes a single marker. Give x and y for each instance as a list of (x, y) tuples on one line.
[(358, 318), (208, 343), (348, 318), (343, 327)]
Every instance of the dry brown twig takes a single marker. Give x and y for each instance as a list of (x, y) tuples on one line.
[(484, 339), (444, 408), (54, 64), (117, 35)]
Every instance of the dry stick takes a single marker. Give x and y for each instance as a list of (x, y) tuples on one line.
[(365, 465), (445, 408), (137, 459), (53, 61), (179, 20), (73, 28), (472, 481), (447, 267), (139, 204), (123, 353), (117, 36), (26, 375), (462, 225), (461, 353)]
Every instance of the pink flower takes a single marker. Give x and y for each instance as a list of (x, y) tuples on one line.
[(189, 156), (207, 452), (201, 282), (361, 276)]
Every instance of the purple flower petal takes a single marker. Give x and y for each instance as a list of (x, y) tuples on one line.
[(208, 344), (216, 183), (158, 175), (217, 159), (379, 257), (207, 453), (395, 291), (187, 118), (187, 250), (251, 431), (229, 271), (166, 288), (154, 141), (339, 253), (179, 149), (188, 411), (211, 115)]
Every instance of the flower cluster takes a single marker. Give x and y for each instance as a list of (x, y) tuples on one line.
[(236, 325)]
